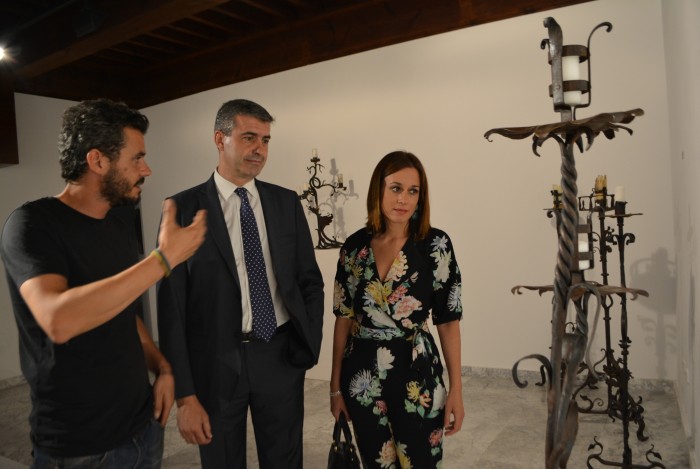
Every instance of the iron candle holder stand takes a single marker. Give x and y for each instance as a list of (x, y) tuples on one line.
[(616, 370), (598, 204), (570, 345), (620, 404), (310, 194)]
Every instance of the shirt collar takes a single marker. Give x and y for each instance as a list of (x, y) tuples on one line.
[(226, 188)]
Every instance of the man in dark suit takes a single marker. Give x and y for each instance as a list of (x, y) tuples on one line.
[(228, 353)]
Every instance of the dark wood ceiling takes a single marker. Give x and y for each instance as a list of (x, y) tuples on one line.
[(146, 52)]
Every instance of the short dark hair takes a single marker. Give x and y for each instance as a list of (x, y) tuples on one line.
[(391, 163), (94, 124), (239, 107)]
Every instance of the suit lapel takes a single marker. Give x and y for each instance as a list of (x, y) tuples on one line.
[(217, 226)]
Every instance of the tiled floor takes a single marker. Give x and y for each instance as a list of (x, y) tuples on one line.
[(504, 428)]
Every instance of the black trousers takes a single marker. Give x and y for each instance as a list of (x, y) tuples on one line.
[(273, 390)]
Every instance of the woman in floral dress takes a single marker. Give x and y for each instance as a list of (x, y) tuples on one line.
[(387, 375)]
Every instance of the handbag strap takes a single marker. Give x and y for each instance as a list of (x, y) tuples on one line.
[(342, 424)]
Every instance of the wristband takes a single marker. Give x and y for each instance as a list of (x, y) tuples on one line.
[(334, 393), (162, 260)]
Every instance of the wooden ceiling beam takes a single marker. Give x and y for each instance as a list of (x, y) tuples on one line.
[(51, 43), (265, 8), (208, 23)]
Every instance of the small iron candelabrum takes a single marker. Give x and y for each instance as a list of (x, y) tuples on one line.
[(310, 194), (621, 405)]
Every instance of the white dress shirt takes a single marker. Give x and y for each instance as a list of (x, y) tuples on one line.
[(231, 206)]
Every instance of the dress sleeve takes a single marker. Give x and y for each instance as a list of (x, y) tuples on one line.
[(447, 279), (344, 286)]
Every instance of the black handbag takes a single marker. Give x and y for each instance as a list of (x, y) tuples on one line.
[(343, 454)]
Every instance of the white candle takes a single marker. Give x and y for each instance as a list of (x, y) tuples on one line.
[(557, 188), (620, 194), (306, 186), (571, 70), (583, 247), (314, 153), (340, 179)]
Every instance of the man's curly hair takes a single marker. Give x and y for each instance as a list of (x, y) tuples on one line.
[(95, 124)]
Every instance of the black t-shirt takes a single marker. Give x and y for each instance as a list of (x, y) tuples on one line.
[(92, 392)]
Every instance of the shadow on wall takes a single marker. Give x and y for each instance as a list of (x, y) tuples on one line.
[(657, 275), (337, 201)]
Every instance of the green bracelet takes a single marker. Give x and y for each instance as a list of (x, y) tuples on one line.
[(162, 260)]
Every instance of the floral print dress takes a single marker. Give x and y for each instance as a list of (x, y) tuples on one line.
[(391, 375)]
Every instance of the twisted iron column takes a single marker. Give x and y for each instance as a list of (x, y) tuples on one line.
[(559, 398)]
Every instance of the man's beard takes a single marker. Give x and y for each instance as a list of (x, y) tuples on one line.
[(116, 189)]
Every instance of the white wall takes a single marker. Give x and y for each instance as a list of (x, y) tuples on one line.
[(436, 97), (37, 175), (681, 19)]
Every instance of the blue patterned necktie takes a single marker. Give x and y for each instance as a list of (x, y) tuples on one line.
[(264, 321)]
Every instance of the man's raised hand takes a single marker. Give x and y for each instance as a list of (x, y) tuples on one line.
[(179, 243)]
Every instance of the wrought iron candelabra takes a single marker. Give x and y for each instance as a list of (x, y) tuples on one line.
[(310, 194), (610, 211), (570, 345)]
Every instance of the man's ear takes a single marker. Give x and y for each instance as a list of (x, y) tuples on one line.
[(97, 161), (219, 140)]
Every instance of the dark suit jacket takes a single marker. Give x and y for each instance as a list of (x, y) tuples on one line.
[(199, 304)]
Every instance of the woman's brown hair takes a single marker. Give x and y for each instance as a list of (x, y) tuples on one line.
[(391, 163)]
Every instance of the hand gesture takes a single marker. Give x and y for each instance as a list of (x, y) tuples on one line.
[(179, 243)]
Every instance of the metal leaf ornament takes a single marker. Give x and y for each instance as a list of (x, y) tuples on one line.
[(571, 131)]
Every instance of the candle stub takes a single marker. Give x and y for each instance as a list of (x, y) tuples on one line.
[(620, 194)]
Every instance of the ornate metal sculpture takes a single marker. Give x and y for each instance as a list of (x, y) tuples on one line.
[(310, 195), (569, 348)]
